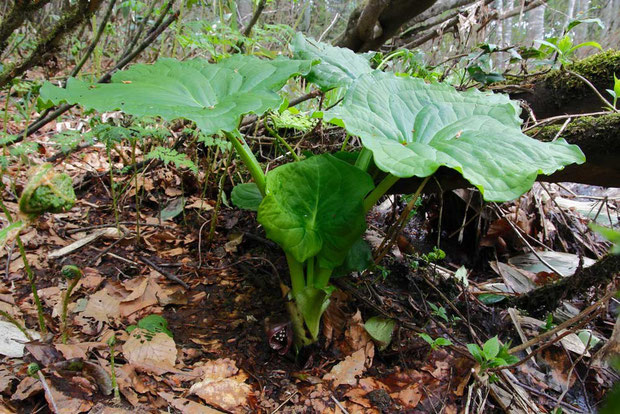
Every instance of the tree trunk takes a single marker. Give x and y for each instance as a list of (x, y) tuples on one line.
[(377, 21), (537, 23)]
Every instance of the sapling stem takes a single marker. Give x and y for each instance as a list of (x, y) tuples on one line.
[(33, 286), (282, 141), (111, 344), (73, 275), (296, 269), (363, 160), (379, 191), (248, 158), (16, 323), (392, 234)]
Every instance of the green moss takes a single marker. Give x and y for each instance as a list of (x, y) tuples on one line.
[(593, 134), (598, 69)]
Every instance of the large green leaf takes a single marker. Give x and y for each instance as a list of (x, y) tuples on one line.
[(413, 128), (314, 208), (338, 67), (215, 96)]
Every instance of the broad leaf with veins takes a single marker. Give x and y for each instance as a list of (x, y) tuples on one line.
[(314, 208), (215, 96), (413, 128), (338, 66)]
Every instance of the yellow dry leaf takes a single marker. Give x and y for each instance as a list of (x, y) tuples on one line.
[(101, 306), (347, 371), (223, 385), (148, 348)]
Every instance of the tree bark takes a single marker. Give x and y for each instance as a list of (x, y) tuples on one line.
[(371, 25)]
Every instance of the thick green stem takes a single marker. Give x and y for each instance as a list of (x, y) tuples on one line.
[(296, 270), (33, 286), (248, 158), (363, 160), (322, 277), (379, 191)]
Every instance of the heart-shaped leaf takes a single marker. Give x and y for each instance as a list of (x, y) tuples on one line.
[(413, 128), (215, 96), (314, 208), (246, 196), (339, 66)]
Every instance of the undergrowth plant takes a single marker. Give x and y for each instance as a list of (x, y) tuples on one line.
[(315, 208), (45, 192)]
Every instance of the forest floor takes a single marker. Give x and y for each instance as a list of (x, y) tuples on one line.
[(219, 291)]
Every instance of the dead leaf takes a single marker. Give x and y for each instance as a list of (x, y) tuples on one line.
[(67, 404), (144, 347), (355, 336), (347, 371), (223, 385), (409, 396), (234, 240), (187, 406), (27, 388), (101, 307)]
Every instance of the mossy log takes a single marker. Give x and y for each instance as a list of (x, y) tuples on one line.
[(558, 92), (546, 298)]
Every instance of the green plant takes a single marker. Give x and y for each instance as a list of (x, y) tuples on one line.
[(435, 343), (112, 345), (564, 47), (72, 274), (615, 92), (492, 354), (45, 191), (439, 311), (315, 208)]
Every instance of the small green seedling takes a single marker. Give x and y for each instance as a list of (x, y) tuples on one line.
[(72, 274), (439, 311), (152, 323), (615, 93), (564, 47), (492, 355), (112, 345), (435, 343)]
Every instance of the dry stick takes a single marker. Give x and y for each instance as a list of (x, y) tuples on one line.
[(394, 231), (544, 346), (164, 272), (44, 119), (93, 44), (48, 392), (601, 97), (560, 117), (523, 239), (563, 325), (259, 10)]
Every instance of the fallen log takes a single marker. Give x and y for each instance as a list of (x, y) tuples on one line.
[(559, 92)]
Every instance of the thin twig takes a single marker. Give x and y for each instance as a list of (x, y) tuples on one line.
[(164, 272), (601, 97)]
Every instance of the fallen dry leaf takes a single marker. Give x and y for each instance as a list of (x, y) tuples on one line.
[(187, 406), (144, 347), (67, 404), (101, 307), (348, 371), (223, 385), (409, 396)]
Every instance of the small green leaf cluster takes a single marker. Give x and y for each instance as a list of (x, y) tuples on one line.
[(615, 92), (172, 156), (492, 354), (435, 343), (153, 324)]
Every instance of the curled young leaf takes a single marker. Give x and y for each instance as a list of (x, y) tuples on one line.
[(47, 191)]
